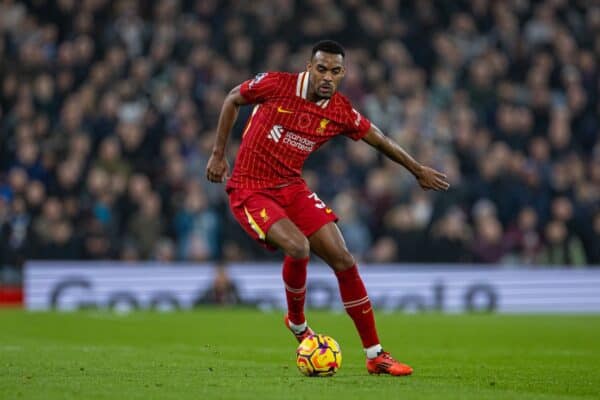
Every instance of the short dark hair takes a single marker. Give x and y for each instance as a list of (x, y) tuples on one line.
[(328, 46)]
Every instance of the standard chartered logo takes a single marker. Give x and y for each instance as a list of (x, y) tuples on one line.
[(291, 139), (275, 133), (299, 142)]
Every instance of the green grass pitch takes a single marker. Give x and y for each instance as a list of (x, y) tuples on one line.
[(247, 354)]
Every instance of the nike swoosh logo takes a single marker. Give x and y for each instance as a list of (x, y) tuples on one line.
[(283, 110), (298, 298), (367, 310)]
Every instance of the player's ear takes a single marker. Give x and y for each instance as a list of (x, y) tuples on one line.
[(308, 66)]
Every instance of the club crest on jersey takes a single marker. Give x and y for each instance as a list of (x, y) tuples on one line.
[(264, 215), (323, 125), (257, 78)]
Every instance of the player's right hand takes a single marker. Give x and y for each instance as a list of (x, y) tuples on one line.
[(217, 169)]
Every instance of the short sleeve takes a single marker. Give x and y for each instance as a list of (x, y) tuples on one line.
[(357, 125), (261, 87)]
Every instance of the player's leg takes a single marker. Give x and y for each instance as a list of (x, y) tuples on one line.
[(284, 234), (328, 243), (263, 218)]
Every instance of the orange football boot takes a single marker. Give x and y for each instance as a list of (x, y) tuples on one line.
[(384, 363), (299, 336)]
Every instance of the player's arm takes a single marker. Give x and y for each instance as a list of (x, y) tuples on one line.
[(218, 167), (427, 177)]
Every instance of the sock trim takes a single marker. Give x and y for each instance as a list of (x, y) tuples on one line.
[(294, 290), (298, 328), (354, 303), (373, 351)]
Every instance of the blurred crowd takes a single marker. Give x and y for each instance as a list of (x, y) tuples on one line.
[(108, 111)]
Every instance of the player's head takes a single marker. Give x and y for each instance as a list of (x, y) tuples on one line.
[(326, 68)]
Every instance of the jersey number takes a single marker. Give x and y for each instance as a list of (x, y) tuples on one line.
[(318, 202)]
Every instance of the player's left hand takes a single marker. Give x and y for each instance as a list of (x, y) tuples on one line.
[(430, 179)]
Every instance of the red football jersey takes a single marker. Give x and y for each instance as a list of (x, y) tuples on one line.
[(285, 128)]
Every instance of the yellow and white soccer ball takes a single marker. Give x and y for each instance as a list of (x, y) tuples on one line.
[(318, 355)]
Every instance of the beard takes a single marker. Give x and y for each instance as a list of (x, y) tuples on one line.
[(325, 91)]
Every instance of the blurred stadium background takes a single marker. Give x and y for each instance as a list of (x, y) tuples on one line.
[(107, 117), (108, 111)]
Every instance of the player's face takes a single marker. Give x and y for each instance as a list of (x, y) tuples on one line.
[(326, 72)]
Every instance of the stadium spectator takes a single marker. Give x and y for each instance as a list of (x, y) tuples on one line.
[(222, 291), (196, 225), (450, 238), (404, 232), (356, 233), (146, 225), (524, 237), (595, 253)]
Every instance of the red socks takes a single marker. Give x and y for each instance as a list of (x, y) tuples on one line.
[(294, 278), (357, 305), (353, 292)]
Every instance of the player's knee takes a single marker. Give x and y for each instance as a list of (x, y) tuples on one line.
[(342, 261), (297, 248)]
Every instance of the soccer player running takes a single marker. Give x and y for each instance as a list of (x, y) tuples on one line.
[(295, 114)]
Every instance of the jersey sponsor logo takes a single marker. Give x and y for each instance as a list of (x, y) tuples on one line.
[(292, 139), (299, 142), (275, 133), (283, 110), (257, 78), (323, 125)]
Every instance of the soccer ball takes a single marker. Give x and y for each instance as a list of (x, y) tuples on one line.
[(318, 355)]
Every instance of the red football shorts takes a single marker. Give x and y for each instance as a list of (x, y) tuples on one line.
[(258, 209)]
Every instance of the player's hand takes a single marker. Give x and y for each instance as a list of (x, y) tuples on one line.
[(217, 169), (430, 179)]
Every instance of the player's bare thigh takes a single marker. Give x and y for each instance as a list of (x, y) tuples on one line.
[(328, 243), (285, 235)]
